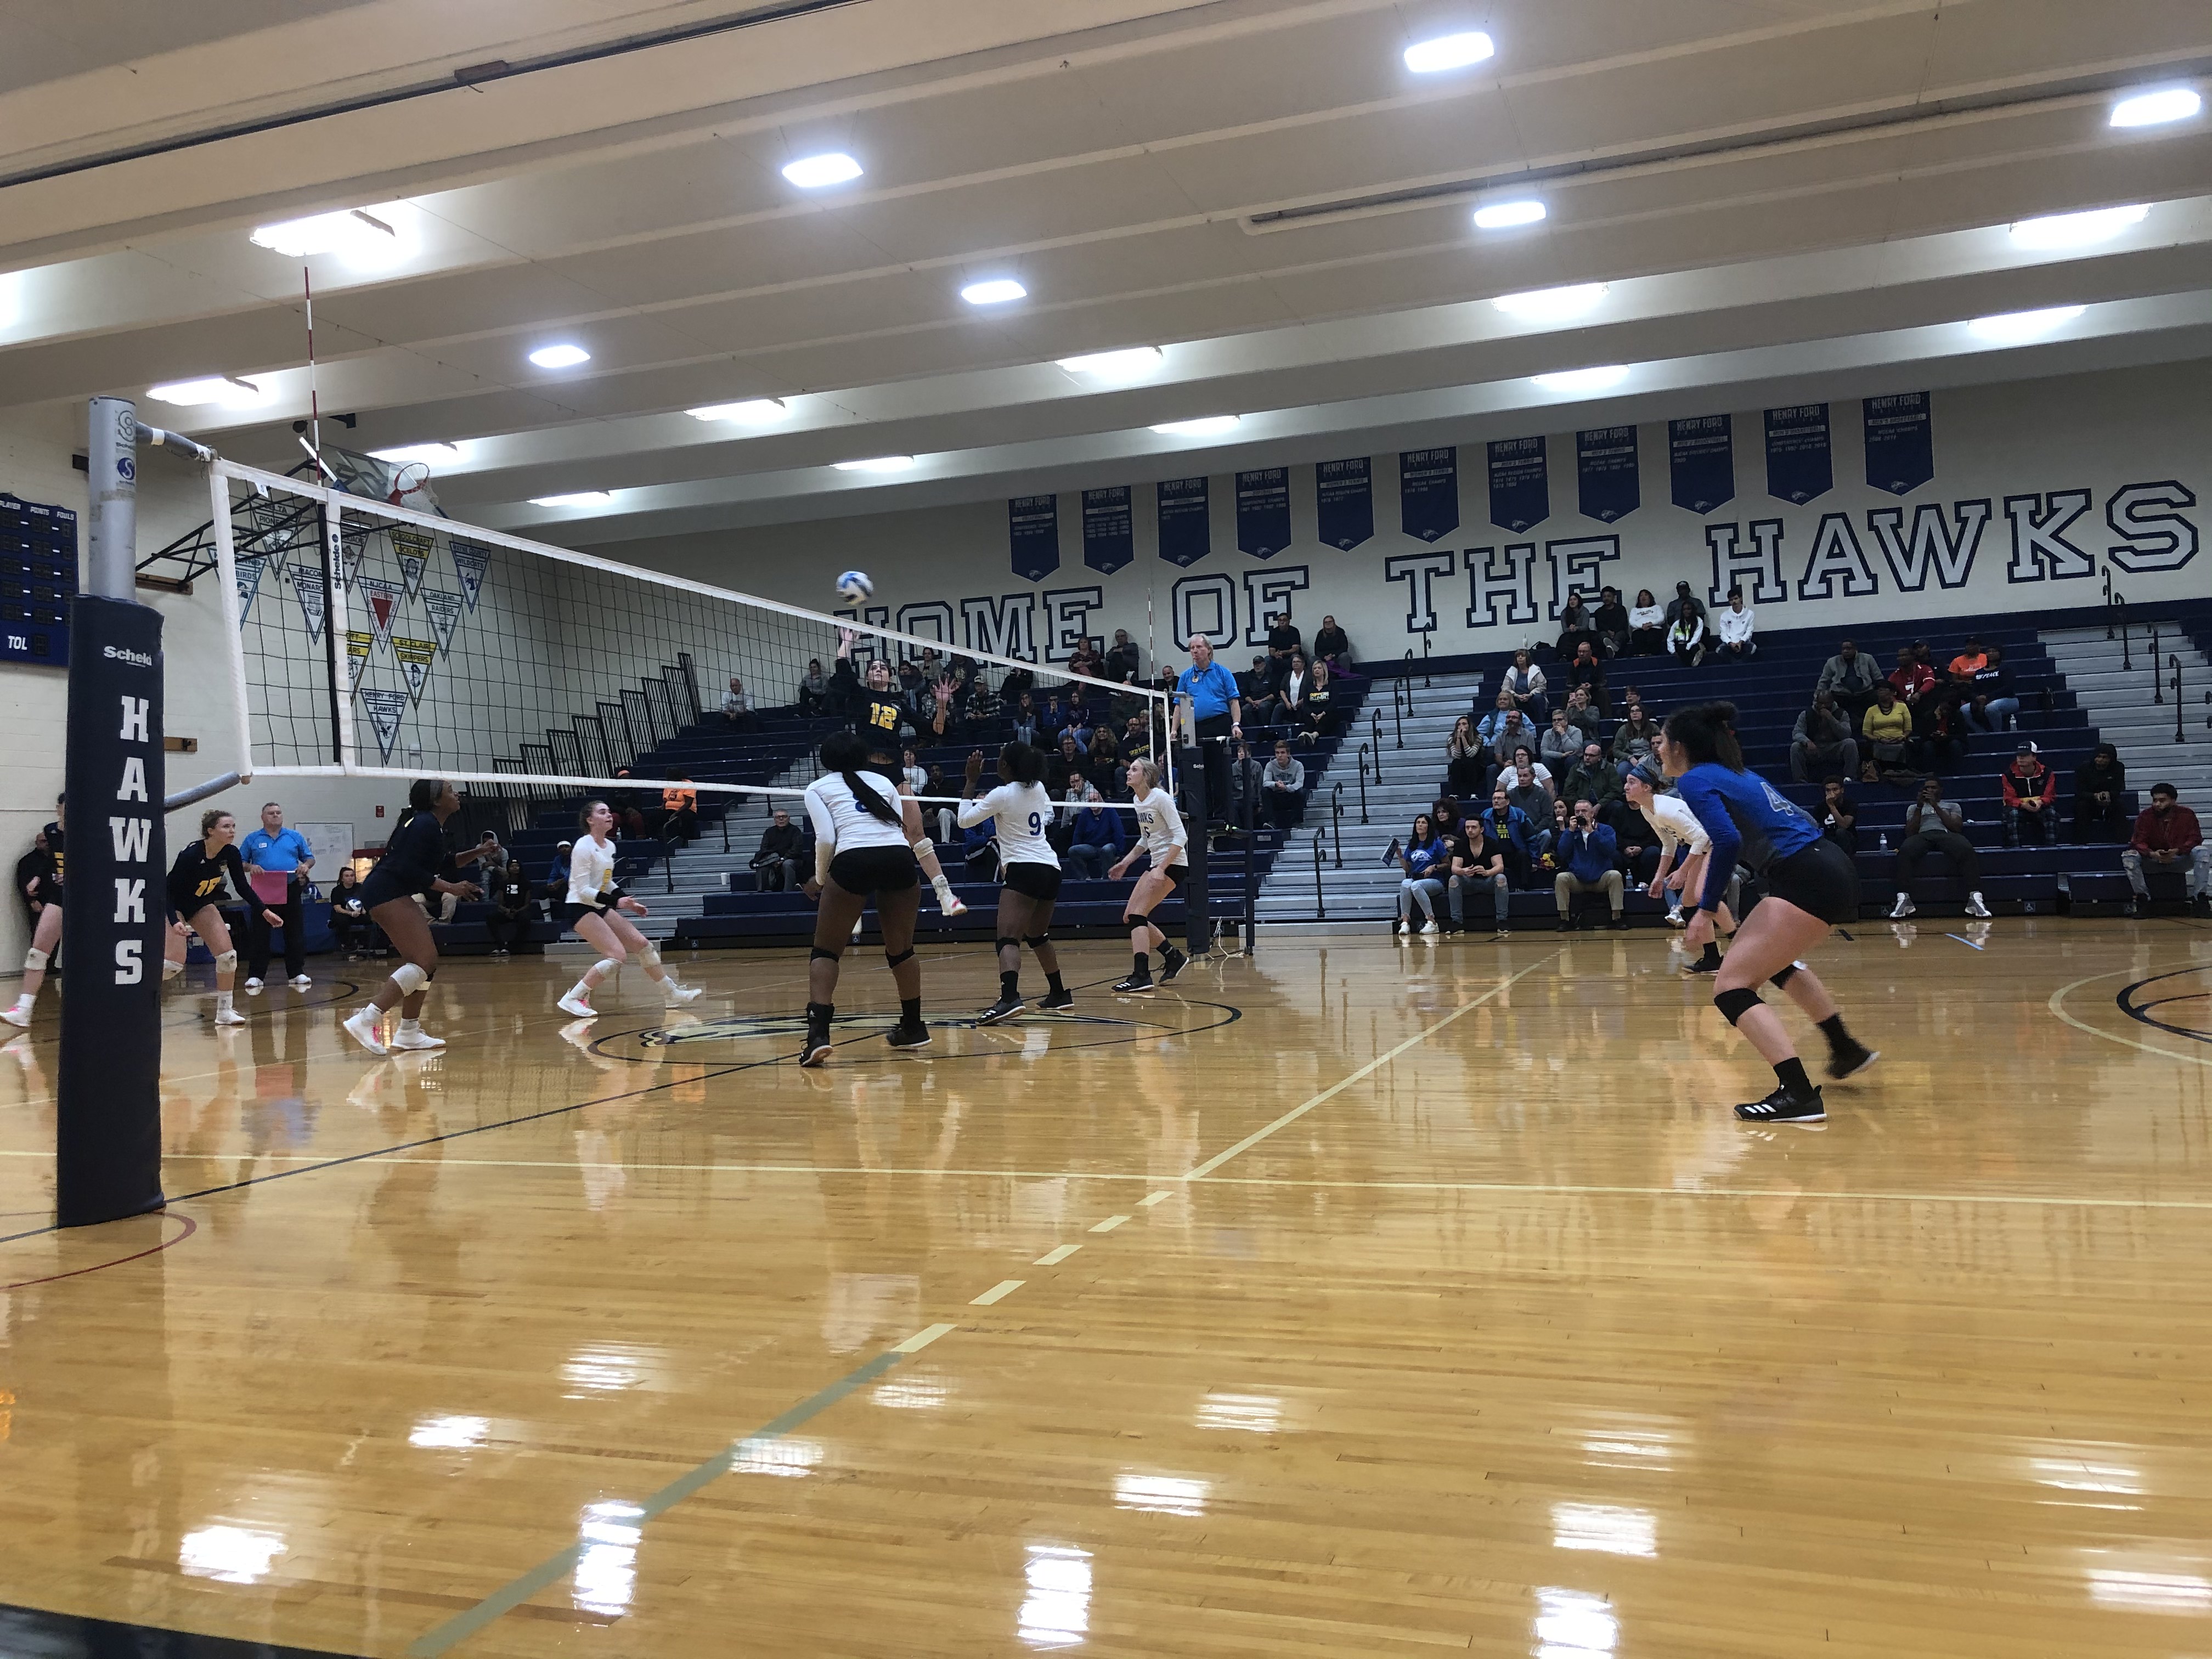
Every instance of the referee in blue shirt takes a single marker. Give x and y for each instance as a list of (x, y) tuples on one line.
[(284, 852), (1219, 713)]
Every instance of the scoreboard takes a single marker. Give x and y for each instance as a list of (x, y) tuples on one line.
[(37, 580)]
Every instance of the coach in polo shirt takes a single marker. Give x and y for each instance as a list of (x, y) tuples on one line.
[(1219, 712), (286, 853)]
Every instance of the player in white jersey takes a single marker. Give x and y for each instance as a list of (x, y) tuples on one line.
[(1028, 869), (864, 839), (1160, 834), (598, 912), (1671, 818)]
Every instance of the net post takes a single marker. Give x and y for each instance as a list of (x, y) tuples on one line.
[(1198, 906), (330, 518), (226, 570)]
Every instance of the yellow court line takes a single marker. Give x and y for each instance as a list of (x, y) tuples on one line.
[(2058, 997)]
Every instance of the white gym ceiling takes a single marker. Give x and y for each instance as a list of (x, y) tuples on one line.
[(1784, 199)]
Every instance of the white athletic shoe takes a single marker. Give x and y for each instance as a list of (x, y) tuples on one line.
[(410, 1036), (1432, 927), (1904, 908), (578, 1002), (679, 995), (253, 987), (19, 1016), (301, 982), (1975, 908), (228, 1017), (361, 1028), (1676, 919)]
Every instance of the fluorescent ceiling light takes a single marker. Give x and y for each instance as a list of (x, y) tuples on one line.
[(575, 498), (560, 356), (1583, 379), (2155, 109), (1504, 215), (880, 464), (224, 390), (429, 454), (1447, 51), (1135, 363), (2059, 230), (1552, 305), (2013, 327), (996, 292), (354, 232), (813, 172), (754, 412), (1206, 426)]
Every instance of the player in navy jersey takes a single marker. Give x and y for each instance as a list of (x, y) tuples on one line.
[(1812, 885), (46, 931), (411, 860)]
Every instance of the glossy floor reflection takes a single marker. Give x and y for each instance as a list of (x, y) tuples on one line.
[(1357, 1299)]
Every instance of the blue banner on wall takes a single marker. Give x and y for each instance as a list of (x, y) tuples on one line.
[(1428, 493), (1184, 527), (1520, 483), (1263, 511), (1701, 460), (1344, 497), (1901, 442), (1033, 526), (1611, 487), (1109, 535), (1799, 462)]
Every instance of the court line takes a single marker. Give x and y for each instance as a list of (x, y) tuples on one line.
[(191, 1227), (2057, 1007), (998, 1293), (1964, 940)]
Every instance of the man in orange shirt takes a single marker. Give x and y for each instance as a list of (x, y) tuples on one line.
[(679, 812)]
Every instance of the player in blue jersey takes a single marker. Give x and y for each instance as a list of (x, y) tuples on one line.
[(1811, 884)]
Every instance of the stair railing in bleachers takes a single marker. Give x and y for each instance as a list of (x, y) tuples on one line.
[(2174, 664), (1336, 810), (1398, 707), (1321, 900), (1427, 684), (1363, 783), (2157, 687), (1378, 745)]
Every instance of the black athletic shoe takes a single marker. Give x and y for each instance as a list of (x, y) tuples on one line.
[(1701, 966), (1566, 925), (1784, 1107), (1174, 962), (1055, 1000), (1133, 987), (1003, 1008), (1618, 924), (1852, 1061), (817, 1047), (910, 1033)]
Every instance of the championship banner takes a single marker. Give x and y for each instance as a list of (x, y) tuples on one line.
[(358, 641), (1610, 484), (1428, 493), (1799, 462), (248, 571), (445, 608), (1263, 511), (1520, 483), (470, 563), (1109, 532), (1033, 531), (385, 705), (383, 599), (413, 549), (415, 657), (1186, 526), (1901, 442), (1344, 500), (1701, 461), (314, 598)]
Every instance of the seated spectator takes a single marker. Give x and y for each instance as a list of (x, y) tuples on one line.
[(1331, 646), (1013, 683), (1972, 658), (1733, 630), (1635, 743), (629, 817), (1647, 626), (1586, 673), (911, 771), (1291, 691), (911, 684), (1934, 824), (1531, 796), (1561, 745), (1106, 757), (1992, 700), (1425, 860), (2166, 837), (1088, 660), (1577, 625), (1082, 720), (1915, 684), (1245, 787), (1686, 638), (1443, 812), (679, 813), (1583, 715), (1886, 726), (1052, 720), (1586, 856), (813, 695), (1060, 833), (1478, 862), (1592, 778), (1284, 642), (1520, 842), (1137, 738), (1318, 715), (1467, 761), (555, 890), (1024, 717), (1064, 762), (1821, 741), (1611, 620), (738, 707), (1257, 691), (1283, 786), (1851, 678), (2030, 788), (1684, 603), (1095, 840), (513, 898), (1524, 684), (775, 865), (349, 915), (1506, 729), (1632, 699), (979, 850), (1839, 815), (2101, 785)]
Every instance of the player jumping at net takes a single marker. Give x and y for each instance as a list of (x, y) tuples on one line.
[(411, 860), (1811, 886), (595, 914), (880, 713), (865, 836), (1160, 833), (1675, 825), (196, 894), (1028, 868), (46, 931)]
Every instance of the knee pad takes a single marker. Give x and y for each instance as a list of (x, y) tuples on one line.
[(890, 961), (226, 961), (1038, 941), (820, 955), (1004, 940), (35, 961), (409, 978), (650, 955), (171, 968), (1139, 919), (1781, 981), (606, 965), (1735, 1005)]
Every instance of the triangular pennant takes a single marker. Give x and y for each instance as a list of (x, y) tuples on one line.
[(470, 563), (414, 659), (444, 609), (385, 705), (314, 598), (358, 639), (413, 549), (383, 599), (248, 571), (349, 561)]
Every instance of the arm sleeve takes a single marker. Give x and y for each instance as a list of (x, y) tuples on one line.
[(1704, 802), (818, 814)]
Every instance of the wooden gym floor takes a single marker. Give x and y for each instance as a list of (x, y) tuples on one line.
[(1357, 1299)]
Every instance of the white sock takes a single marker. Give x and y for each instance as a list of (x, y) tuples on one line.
[(411, 1027), (24, 999), (943, 883), (223, 1002)]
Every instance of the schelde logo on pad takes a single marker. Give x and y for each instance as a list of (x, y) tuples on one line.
[(120, 653)]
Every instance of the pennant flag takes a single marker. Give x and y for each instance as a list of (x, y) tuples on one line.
[(1798, 464), (1183, 521), (413, 549), (1344, 502), (314, 598), (1109, 539), (1701, 461), (1033, 536), (445, 608), (383, 599), (414, 659), (470, 563), (1608, 474), (1520, 483), (349, 561), (1901, 442), (249, 584), (1263, 511), (358, 639), (385, 706), (1428, 492)]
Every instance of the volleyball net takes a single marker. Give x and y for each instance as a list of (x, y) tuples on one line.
[(373, 640)]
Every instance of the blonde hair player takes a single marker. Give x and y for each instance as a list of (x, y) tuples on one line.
[(196, 886), (880, 712), (595, 913), (1674, 823), (1160, 833)]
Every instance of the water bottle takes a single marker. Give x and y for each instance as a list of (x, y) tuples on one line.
[(1885, 841)]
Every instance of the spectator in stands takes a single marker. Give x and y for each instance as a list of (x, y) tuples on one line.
[(1586, 673), (979, 850), (2166, 835), (1064, 762), (1733, 630), (947, 819), (679, 813), (1082, 718), (555, 890), (1256, 686), (1012, 683), (1060, 832), (1684, 603), (1851, 678), (1124, 662), (349, 915), (1838, 815), (1284, 642), (1992, 700), (1635, 742), (1095, 839), (1137, 738), (813, 689), (2100, 784), (1887, 728), (1934, 824), (1524, 756), (1972, 658), (1531, 796), (911, 772), (1583, 715), (1821, 741), (1318, 716), (1647, 626), (1025, 718), (1521, 841), (1632, 699), (2030, 788), (1088, 660), (1524, 684), (1333, 647), (738, 707), (629, 817), (1611, 619), (513, 898), (775, 865), (843, 700), (1506, 728), (1107, 760), (1443, 812), (1562, 743), (1291, 691), (1588, 856), (1577, 625), (1467, 760), (1478, 862), (1245, 787), (1915, 685), (1283, 787), (1425, 861), (1594, 779), (1686, 638)]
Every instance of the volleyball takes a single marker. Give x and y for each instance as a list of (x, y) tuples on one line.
[(854, 586)]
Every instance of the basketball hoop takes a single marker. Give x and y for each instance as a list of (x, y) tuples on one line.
[(407, 480)]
